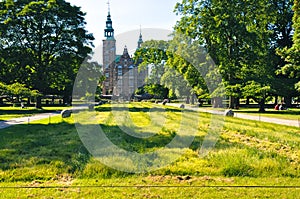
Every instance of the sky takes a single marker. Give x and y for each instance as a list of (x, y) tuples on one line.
[(128, 16)]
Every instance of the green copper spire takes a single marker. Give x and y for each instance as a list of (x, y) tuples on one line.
[(140, 41), (109, 31)]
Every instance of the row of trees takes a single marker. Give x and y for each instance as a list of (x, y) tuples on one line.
[(254, 46), (15, 92), (42, 45)]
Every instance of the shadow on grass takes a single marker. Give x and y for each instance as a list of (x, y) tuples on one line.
[(32, 152), (46, 151), (43, 152)]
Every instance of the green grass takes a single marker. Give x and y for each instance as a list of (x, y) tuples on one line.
[(290, 114), (7, 113), (248, 153)]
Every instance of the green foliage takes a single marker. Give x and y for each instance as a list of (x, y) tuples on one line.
[(292, 55), (17, 91), (188, 58), (157, 90), (42, 44), (89, 88), (255, 90), (241, 38)]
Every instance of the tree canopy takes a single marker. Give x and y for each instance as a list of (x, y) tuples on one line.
[(42, 44), (241, 37), (292, 54)]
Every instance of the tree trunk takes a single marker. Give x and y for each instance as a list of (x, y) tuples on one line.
[(38, 103), (248, 101), (28, 101), (262, 105), (209, 101), (53, 99), (187, 100), (193, 99), (233, 102), (236, 102), (288, 101), (67, 100), (276, 100), (1, 101), (217, 102)]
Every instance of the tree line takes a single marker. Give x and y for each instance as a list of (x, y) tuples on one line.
[(254, 45)]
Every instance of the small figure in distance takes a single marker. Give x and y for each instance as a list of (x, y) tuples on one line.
[(281, 107), (276, 107)]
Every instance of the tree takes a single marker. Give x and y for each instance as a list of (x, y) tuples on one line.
[(238, 36), (281, 38), (16, 92), (42, 44), (165, 79), (292, 54), (174, 81), (153, 55), (89, 80)]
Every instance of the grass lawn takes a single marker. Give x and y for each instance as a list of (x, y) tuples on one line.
[(290, 114), (7, 113), (250, 160)]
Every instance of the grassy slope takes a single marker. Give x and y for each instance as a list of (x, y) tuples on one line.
[(247, 153)]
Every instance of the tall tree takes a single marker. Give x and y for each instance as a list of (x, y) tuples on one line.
[(292, 54), (42, 44), (190, 60), (163, 58), (237, 35), (281, 38)]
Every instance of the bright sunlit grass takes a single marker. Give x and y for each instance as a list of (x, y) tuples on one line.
[(46, 153), (7, 113)]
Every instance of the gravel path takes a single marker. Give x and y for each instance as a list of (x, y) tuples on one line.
[(25, 120), (295, 123)]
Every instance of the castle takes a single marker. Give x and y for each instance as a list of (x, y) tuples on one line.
[(122, 76)]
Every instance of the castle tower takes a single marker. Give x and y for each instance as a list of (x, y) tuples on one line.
[(109, 56), (141, 74), (140, 41)]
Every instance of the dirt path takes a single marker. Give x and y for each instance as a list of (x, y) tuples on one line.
[(244, 116), (25, 120)]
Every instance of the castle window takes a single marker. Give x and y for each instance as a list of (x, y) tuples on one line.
[(107, 75), (120, 71)]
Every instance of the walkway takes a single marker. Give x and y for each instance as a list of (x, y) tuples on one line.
[(25, 120), (295, 123)]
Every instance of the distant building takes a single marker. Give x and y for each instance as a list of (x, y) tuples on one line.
[(121, 73)]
